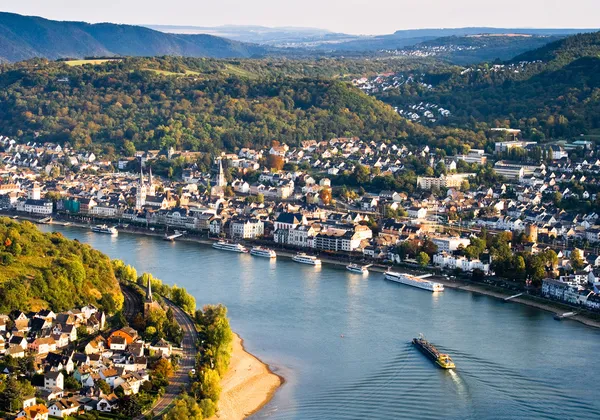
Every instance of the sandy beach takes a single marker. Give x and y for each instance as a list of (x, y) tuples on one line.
[(247, 385)]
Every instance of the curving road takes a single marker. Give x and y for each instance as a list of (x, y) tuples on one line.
[(180, 378), (188, 359)]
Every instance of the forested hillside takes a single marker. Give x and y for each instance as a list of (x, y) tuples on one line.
[(49, 271), (117, 105), (547, 99), (25, 37), (566, 50)]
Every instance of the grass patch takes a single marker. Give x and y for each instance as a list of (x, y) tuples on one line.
[(237, 71), (91, 61), (172, 73)]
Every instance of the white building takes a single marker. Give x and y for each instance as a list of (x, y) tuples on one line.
[(448, 261), (247, 229), (42, 207), (450, 243)]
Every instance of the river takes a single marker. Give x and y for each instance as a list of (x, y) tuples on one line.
[(342, 340)]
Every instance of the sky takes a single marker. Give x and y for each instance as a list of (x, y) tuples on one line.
[(349, 16)]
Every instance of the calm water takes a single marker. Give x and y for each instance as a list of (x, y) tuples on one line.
[(512, 361)]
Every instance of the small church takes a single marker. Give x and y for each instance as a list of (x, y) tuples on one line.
[(149, 303), (220, 182)]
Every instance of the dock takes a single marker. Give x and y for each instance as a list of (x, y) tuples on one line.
[(172, 237), (512, 297), (45, 220)]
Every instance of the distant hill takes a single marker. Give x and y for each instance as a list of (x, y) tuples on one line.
[(551, 92), (566, 50), (472, 49), (40, 270), (278, 36), (445, 32), (24, 37)]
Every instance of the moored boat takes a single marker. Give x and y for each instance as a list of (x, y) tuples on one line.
[(414, 281), (357, 268), (227, 246), (109, 230), (303, 258), (442, 360), (259, 251)]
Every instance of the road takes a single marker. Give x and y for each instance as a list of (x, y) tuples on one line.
[(188, 359), (132, 306)]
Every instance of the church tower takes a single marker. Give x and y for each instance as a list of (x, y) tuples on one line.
[(149, 303), (151, 187), (221, 181), (140, 197)]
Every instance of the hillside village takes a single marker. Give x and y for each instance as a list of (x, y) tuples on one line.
[(75, 362), (371, 200)]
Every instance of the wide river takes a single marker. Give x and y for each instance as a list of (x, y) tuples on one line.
[(342, 340)]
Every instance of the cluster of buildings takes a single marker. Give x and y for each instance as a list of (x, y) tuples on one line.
[(239, 201), (118, 358), (580, 289)]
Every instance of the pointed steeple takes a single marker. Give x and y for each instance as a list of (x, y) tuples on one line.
[(150, 176), (141, 176), (221, 181), (149, 291)]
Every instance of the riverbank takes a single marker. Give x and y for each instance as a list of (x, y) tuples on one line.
[(484, 289), (247, 385)]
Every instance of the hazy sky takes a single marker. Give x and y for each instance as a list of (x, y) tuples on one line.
[(350, 16)]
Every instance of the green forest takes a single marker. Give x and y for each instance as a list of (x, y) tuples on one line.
[(46, 270), (120, 104), (556, 94)]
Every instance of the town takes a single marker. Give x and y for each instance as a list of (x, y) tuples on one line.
[(87, 361), (520, 211)]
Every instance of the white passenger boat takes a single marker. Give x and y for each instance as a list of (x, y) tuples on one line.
[(227, 246), (357, 268), (414, 281), (306, 259), (259, 251), (109, 230)]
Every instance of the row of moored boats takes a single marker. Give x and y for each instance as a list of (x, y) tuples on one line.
[(403, 278)]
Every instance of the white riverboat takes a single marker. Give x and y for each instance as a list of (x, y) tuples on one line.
[(303, 258), (414, 281), (227, 246), (357, 268), (109, 230), (259, 251)]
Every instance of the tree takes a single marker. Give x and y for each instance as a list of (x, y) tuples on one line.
[(423, 259), (209, 408), (163, 368), (275, 162), (103, 386), (211, 384), (325, 195), (72, 384), (130, 407), (10, 397), (185, 408), (577, 261), (128, 148), (183, 299)]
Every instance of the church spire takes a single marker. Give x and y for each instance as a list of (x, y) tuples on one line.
[(221, 181), (150, 176), (149, 292)]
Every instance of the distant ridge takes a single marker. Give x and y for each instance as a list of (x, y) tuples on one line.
[(565, 50), (24, 37)]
